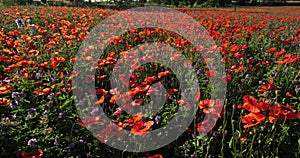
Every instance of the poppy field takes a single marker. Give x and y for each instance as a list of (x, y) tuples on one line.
[(38, 115)]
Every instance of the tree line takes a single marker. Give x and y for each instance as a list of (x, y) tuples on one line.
[(176, 3)]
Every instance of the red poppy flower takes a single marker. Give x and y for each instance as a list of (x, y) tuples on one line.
[(150, 79), (207, 60), (212, 106), (132, 92), (197, 97), (101, 91), (211, 73), (205, 105), (46, 91), (90, 120), (109, 130), (82, 124), (44, 64), (240, 69), (267, 87), (183, 102), (143, 87), (271, 50), (72, 60), (239, 55), (251, 104), (38, 153), (137, 102), (117, 112), (204, 126), (165, 73), (4, 89), (125, 78), (101, 100), (289, 95), (234, 48), (171, 91), (101, 77), (288, 58), (226, 78), (16, 58), (154, 156), (225, 59), (253, 119), (4, 102), (282, 52), (141, 128), (243, 139), (33, 52), (113, 99), (22, 63), (281, 112)]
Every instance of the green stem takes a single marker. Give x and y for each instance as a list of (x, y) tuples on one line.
[(195, 135), (252, 142), (232, 130), (208, 147), (224, 127)]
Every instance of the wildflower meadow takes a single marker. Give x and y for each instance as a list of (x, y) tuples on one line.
[(259, 115)]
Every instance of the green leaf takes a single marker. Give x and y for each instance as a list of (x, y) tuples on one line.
[(230, 143)]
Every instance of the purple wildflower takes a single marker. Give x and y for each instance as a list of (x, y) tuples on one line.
[(95, 110), (45, 113), (236, 137), (32, 142), (199, 71), (81, 102), (5, 81), (55, 141), (71, 145), (215, 134), (243, 80), (20, 23), (50, 103), (18, 72), (51, 78), (297, 88), (193, 156), (15, 94), (14, 104), (182, 94), (60, 115), (50, 95), (157, 119), (6, 129), (32, 111), (193, 89), (206, 81)]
